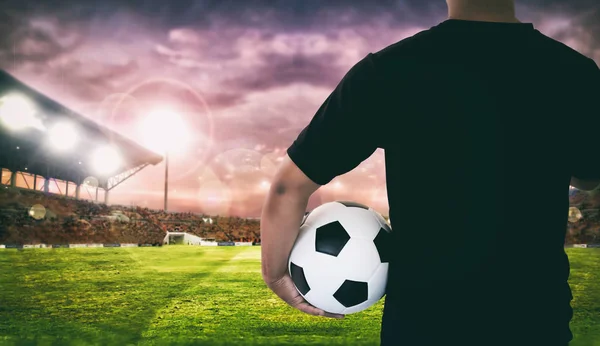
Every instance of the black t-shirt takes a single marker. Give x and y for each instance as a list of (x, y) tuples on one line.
[(483, 124)]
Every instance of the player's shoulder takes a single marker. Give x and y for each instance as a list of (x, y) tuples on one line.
[(420, 45), (412, 47), (562, 51)]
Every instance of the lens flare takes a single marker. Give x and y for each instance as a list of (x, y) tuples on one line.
[(574, 214), (37, 212), (269, 163), (236, 161), (90, 182)]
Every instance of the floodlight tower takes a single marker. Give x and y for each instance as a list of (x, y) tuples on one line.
[(166, 177), (164, 131)]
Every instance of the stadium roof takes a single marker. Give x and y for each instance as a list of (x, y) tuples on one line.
[(28, 150)]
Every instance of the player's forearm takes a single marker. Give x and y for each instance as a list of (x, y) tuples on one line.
[(279, 227)]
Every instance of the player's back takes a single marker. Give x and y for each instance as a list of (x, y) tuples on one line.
[(478, 163)]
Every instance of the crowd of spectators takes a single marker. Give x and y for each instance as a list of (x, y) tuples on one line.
[(71, 221)]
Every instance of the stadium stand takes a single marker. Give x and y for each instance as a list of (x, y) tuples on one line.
[(71, 221), (28, 156), (35, 173), (68, 220)]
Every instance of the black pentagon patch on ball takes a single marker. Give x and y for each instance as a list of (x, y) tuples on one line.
[(331, 238), (297, 274), (383, 244), (353, 204), (352, 293)]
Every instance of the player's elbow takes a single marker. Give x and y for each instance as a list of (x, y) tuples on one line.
[(266, 276)]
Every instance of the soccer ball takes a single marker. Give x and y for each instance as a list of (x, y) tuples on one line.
[(339, 262)]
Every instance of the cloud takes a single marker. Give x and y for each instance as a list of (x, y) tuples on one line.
[(34, 41), (280, 71)]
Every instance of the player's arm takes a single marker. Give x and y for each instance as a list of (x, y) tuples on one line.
[(281, 217), (280, 224), (342, 134)]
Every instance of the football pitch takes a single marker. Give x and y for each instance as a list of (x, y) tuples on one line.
[(185, 295)]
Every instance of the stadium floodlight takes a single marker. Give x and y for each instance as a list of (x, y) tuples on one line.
[(164, 131), (17, 113), (106, 160), (63, 136)]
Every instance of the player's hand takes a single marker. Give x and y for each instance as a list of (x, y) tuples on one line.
[(285, 289)]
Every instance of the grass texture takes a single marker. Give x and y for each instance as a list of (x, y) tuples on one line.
[(185, 295)]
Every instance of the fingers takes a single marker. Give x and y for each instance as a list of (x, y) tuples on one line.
[(330, 315), (311, 310), (286, 290)]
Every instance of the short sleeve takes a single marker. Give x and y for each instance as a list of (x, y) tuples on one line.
[(586, 129), (343, 132)]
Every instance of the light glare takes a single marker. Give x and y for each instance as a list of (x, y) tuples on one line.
[(63, 136), (164, 130), (18, 113), (106, 160)]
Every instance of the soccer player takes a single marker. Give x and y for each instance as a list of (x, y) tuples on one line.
[(468, 113)]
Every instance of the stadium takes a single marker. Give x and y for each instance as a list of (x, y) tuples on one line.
[(139, 139), (79, 270), (73, 166)]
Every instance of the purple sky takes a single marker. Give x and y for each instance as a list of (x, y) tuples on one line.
[(256, 71)]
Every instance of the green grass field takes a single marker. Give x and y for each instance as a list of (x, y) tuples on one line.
[(184, 295)]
